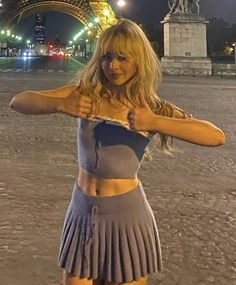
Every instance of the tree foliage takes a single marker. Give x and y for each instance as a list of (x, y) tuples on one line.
[(220, 34), (155, 35)]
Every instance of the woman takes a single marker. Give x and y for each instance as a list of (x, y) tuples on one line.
[(110, 235)]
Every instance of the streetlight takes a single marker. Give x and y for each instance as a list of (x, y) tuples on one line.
[(121, 3), (28, 42)]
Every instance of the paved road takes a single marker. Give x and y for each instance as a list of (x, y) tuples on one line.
[(48, 64), (192, 193)]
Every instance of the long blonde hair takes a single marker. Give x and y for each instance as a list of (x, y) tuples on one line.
[(128, 39)]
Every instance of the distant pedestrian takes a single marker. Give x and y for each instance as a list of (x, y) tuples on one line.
[(110, 235)]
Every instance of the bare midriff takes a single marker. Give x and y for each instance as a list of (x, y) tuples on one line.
[(97, 186)]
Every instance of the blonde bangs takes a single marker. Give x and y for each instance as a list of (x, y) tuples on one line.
[(118, 43)]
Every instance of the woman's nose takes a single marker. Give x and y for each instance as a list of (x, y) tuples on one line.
[(114, 63)]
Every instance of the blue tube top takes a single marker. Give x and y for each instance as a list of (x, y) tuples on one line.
[(110, 150)]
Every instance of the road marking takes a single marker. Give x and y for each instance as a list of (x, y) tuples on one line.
[(30, 70), (80, 63)]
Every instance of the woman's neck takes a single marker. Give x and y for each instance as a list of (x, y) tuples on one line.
[(115, 90), (115, 94)]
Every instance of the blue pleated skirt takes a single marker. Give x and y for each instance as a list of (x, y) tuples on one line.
[(113, 238)]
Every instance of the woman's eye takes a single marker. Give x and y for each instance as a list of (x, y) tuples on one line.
[(107, 57), (122, 58), (110, 57)]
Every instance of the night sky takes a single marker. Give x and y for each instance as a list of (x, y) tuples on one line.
[(143, 11)]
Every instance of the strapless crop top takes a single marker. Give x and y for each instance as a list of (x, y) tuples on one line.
[(110, 150)]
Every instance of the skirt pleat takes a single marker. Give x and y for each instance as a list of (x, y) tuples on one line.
[(72, 244), (126, 262), (94, 254), (76, 266), (102, 248), (111, 238), (117, 269), (135, 268), (65, 231), (67, 237), (152, 252)]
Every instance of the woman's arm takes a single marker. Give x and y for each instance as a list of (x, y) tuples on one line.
[(190, 130), (40, 102), (67, 99)]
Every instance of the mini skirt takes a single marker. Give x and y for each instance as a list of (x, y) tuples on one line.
[(113, 238)]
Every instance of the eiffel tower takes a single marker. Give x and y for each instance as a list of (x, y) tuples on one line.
[(13, 12)]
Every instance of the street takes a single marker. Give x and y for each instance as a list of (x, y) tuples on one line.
[(49, 64), (192, 192)]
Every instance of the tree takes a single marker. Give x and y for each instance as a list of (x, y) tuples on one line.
[(219, 33)]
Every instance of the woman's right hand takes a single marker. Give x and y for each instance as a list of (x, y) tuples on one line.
[(76, 104)]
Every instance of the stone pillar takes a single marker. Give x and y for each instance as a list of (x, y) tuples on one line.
[(185, 45)]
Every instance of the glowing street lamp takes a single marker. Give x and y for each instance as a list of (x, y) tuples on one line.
[(120, 6), (121, 3)]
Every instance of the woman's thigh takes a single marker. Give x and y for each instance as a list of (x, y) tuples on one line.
[(141, 281), (73, 280)]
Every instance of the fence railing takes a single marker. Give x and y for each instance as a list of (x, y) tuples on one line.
[(186, 71), (222, 72)]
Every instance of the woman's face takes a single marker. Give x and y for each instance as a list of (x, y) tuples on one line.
[(117, 68)]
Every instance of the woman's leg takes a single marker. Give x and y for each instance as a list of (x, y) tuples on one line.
[(73, 280), (141, 281)]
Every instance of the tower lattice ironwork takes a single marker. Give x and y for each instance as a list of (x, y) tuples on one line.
[(83, 10)]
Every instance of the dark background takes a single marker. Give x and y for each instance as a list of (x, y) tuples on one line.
[(64, 27)]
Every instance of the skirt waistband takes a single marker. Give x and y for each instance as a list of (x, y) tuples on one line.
[(109, 204)]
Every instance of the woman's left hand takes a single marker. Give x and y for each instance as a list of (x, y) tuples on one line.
[(141, 119)]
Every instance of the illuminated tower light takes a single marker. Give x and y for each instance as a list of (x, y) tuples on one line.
[(106, 12)]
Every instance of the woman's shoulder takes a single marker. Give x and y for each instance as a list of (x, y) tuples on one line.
[(168, 109)]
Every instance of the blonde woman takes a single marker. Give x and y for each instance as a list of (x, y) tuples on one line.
[(110, 236)]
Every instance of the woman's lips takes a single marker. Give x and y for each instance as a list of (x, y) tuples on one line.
[(115, 74)]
